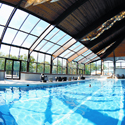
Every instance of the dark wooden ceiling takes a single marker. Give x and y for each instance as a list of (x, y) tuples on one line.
[(79, 17)]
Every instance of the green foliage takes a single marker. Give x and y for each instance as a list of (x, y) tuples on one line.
[(2, 62), (59, 70), (40, 68), (47, 68)]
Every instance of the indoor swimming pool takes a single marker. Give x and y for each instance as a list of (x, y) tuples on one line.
[(73, 104)]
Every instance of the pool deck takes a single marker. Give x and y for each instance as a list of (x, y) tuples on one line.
[(23, 83)]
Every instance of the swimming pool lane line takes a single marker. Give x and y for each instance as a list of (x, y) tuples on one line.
[(74, 109), (121, 112)]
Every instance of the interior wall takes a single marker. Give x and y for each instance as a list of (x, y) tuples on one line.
[(36, 77), (119, 71), (1, 75)]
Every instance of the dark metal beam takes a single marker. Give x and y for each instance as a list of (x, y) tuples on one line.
[(68, 11), (112, 48), (100, 21), (117, 26), (109, 41)]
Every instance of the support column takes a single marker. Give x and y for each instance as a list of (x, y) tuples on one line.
[(114, 62), (51, 65), (66, 67), (77, 69), (84, 70), (28, 60), (102, 67)]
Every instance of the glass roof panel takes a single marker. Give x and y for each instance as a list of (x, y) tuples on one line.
[(47, 31), (45, 48), (64, 53), (78, 58), (53, 49), (39, 28), (29, 23), (63, 40), (57, 36), (67, 54), (5, 12), (19, 38), (1, 30), (5, 50), (78, 48), (29, 41), (18, 19), (9, 35), (48, 37), (75, 45), (87, 52), (40, 45)]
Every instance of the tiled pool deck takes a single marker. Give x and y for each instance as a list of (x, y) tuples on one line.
[(21, 83), (24, 83)]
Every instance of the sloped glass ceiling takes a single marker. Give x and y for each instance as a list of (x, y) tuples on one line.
[(105, 26), (26, 32)]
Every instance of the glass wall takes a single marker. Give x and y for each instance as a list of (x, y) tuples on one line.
[(59, 66), (2, 63), (72, 67), (81, 69), (120, 64), (108, 67), (96, 68), (87, 69)]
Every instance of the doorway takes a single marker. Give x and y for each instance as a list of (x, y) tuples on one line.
[(12, 69)]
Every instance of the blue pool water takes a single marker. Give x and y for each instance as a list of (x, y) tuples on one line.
[(76, 104)]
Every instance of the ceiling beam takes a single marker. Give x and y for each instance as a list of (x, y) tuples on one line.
[(100, 21), (117, 26), (68, 11), (112, 48), (108, 42)]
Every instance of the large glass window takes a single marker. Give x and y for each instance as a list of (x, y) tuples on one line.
[(120, 64), (48, 59), (93, 68), (23, 66), (2, 63), (108, 67), (80, 69), (33, 57), (40, 68), (54, 70), (14, 53), (47, 68), (72, 68), (99, 67), (32, 67), (87, 69), (4, 51), (41, 57), (23, 54)]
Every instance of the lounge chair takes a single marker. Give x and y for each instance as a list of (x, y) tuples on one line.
[(64, 78)]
